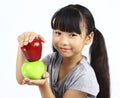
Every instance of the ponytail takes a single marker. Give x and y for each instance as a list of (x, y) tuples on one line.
[(99, 62)]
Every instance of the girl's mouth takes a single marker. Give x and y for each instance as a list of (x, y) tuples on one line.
[(64, 49)]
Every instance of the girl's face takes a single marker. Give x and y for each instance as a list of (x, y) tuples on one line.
[(69, 44)]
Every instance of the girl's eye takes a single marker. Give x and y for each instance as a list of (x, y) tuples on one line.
[(73, 35), (58, 33)]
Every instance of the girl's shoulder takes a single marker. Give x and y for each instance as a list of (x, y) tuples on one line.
[(83, 78), (85, 64), (52, 55), (52, 58)]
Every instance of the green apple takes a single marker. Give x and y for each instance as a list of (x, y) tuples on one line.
[(33, 70)]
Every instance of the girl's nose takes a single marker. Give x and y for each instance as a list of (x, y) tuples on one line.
[(64, 40)]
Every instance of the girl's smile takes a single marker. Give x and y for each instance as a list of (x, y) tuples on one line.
[(65, 49)]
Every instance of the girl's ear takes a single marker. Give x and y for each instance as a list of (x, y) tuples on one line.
[(89, 38)]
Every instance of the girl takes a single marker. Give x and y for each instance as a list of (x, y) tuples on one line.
[(71, 75)]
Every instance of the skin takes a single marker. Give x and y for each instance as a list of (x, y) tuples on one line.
[(69, 45)]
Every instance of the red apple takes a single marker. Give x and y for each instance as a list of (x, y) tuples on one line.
[(33, 50)]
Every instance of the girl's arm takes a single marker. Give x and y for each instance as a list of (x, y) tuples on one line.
[(74, 94), (19, 61), (46, 91), (43, 86)]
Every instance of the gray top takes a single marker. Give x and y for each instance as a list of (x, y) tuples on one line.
[(81, 77)]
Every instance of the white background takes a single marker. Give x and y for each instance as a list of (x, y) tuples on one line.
[(17, 16)]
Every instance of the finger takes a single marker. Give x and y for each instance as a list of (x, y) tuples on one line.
[(26, 38), (23, 82), (37, 82), (46, 75), (20, 38), (32, 36), (26, 79), (21, 44), (42, 38)]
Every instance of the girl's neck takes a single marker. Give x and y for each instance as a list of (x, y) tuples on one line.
[(67, 65)]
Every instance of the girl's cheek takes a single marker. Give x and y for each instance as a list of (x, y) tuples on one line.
[(56, 39)]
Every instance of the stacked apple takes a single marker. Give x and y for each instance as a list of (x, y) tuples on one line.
[(33, 68)]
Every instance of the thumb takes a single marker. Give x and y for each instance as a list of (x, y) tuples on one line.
[(46, 75)]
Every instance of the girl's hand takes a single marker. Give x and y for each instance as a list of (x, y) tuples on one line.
[(28, 37), (36, 82)]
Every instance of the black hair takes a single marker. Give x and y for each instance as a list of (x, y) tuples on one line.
[(70, 19)]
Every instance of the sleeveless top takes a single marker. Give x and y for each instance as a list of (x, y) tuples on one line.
[(82, 77)]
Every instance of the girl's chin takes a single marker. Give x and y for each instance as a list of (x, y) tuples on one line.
[(65, 55)]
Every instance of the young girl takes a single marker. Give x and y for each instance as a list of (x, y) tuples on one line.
[(70, 74)]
